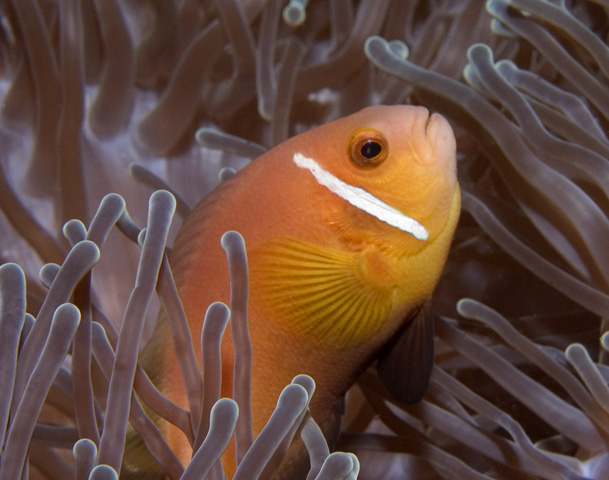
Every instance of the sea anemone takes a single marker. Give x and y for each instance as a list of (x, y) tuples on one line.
[(98, 95)]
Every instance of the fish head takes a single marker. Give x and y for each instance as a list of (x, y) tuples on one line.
[(394, 167)]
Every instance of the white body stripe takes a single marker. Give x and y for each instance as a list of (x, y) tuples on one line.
[(360, 198)]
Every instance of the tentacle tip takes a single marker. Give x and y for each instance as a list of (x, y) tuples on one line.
[(12, 272), (306, 382), (226, 173), (74, 231), (163, 197), (463, 306), (219, 308), (88, 248), (372, 42), (117, 200), (479, 52), (85, 448), (134, 168), (294, 395), (103, 472), (399, 48), (231, 239), (68, 310), (225, 404), (294, 14), (201, 135)]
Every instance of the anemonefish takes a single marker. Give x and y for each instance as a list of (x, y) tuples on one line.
[(347, 228)]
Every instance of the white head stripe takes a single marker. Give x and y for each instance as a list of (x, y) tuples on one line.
[(360, 198)]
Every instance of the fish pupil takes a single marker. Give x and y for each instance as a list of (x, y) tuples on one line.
[(370, 149)]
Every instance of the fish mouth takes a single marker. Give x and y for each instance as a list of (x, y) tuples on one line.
[(433, 123), (429, 120), (433, 138)]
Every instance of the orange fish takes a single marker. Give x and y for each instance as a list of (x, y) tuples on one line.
[(347, 228)]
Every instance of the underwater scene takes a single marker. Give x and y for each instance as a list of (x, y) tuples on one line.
[(264, 239)]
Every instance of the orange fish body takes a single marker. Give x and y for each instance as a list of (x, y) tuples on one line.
[(347, 228)]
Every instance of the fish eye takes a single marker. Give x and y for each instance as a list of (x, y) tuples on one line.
[(368, 149)]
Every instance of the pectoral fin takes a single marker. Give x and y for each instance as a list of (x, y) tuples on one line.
[(321, 292), (405, 363)]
